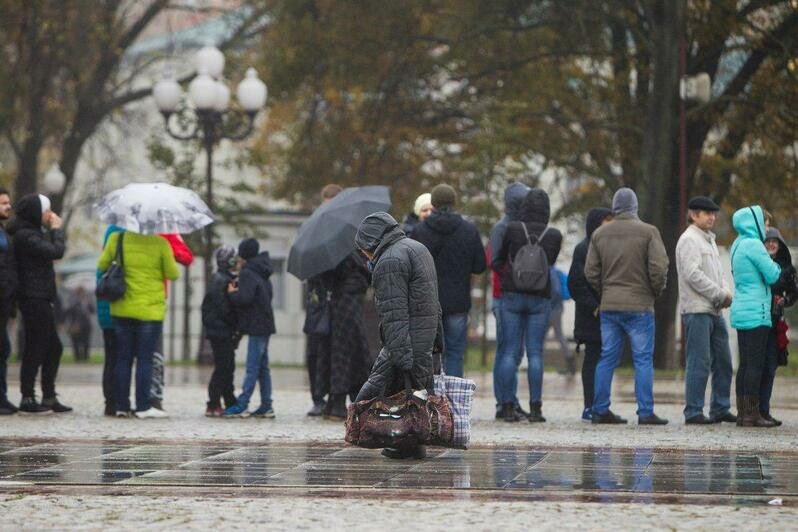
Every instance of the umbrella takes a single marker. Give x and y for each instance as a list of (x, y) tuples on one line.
[(326, 238), (154, 208)]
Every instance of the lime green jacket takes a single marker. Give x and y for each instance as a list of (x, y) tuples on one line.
[(148, 262)]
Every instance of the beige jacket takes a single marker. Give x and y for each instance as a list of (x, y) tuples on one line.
[(627, 264), (702, 287)]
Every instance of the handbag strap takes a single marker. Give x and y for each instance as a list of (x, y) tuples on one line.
[(119, 256)]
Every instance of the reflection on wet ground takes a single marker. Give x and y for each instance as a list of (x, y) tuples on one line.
[(600, 472)]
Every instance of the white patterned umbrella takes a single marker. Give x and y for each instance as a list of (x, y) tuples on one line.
[(153, 209)]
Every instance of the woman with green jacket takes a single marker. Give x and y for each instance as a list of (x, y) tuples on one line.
[(138, 315), (754, 271)]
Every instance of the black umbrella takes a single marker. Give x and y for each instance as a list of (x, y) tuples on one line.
[(328, 236)]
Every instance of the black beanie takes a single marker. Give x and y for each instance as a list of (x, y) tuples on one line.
[(444, 196), (248, 248)]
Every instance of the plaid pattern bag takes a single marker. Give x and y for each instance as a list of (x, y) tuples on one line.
[(460, 393)]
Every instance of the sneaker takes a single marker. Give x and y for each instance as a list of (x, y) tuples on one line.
[(156, 404), (214, 411), (124, 413), (264, 412), (29, 406), (151, 413), (587, 415), (236, 411), (653, 419), (53, 404), (7, 408), (608, 418)]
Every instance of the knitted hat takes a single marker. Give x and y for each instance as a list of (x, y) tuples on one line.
[(421, 201), (248, 248), (443, 196), (625, 201)]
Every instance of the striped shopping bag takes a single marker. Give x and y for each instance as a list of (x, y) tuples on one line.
[(460, 394)]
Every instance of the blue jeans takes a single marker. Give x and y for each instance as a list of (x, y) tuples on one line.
[(639, 327), (137, 340), (525, 319), (707, 350), (257, 372), (498, 392), (455, 339)]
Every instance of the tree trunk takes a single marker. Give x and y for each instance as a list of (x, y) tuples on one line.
[(658, 171)]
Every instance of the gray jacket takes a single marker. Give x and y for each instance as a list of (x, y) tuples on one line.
[(702, 287)]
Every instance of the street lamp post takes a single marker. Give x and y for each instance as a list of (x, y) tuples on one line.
[(205, 115)]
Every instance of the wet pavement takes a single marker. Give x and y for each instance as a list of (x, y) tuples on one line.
[(595, 474)]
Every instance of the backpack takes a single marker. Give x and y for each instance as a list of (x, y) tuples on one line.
[(530, 268)]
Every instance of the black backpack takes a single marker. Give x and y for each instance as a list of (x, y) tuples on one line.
[(530, 268)]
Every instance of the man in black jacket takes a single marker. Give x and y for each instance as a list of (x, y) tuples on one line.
[(457, 250), (220, 324), (8, 284), (587, 327), (406, 291), (252, 299), (35, 250)]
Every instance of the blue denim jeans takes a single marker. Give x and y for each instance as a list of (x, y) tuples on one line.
[(455, 340), (498, 392), (525, 319), (706, 350), (257, 372), (137, 340), (639, 327)]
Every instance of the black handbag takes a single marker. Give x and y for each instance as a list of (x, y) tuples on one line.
[(317, 317), (111, 285)]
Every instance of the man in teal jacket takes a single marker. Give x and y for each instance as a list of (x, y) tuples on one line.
[(754, 271)]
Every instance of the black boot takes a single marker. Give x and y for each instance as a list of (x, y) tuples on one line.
[(509, 414), (30, 406), (7, 408), (535, 414), (336, 407), (55, 405), (748, 415), (768, 417)]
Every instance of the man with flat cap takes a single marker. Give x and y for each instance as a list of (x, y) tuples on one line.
[(703, 293)]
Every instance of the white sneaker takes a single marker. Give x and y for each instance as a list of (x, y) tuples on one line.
[(152, 413)]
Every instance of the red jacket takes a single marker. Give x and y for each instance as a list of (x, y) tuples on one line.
[(180, 250), (495, 277)]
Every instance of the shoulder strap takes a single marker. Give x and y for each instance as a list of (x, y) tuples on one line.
[(119, 256), (523, 226), (545, 230)]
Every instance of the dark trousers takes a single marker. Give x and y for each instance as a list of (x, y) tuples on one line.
[(80, 345), (109, 365), (5, 352), (592, 356), (224, 364), (318, 346), (753, 352), (42, 347), (768, 372), (136, 339)]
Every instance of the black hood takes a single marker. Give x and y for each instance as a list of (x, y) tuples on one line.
[(513, 199), (536, 207), (261, 264), (28, 213), (783, 255), (594, 219), (377, 231), (444, 222)]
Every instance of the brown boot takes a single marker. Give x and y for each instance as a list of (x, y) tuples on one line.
[(750, 414)]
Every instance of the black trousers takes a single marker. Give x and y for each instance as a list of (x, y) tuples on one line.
[(43, 348), (224, 364), (753, 353), (317, 347), (592, 355), (110, 345), (5, 348), (80, 345)]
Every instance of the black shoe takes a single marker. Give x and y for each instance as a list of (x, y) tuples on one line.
[(509, 414), (7, 408), (53, 404), (336, 408), (607, 418), (317, 410), (29, 406), (700, 419), (535, 415), (728, 417), (416, 453), (653, 419), (521, 412), (770, 418), (110, 411)]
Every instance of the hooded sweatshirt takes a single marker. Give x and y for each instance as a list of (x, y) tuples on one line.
[(456, 248), (786, 287), (753, 270), (35, 250), (513, 198), (587, 327)]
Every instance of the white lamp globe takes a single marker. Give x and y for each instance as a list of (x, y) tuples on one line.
[(252, 92), (54, 180), (167, 94), (211, 60), (203, 91), (222, 97)]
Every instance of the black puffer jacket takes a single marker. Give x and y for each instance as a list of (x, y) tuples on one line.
[(253, 300), (587, 327), (787, 285), (535, 213), (8, 271), (35, 250), (457, 250), (406, 293), (218, 315)]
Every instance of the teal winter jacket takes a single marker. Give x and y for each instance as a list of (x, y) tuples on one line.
[(753, 269)]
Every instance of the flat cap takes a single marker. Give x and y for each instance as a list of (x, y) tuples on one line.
[(702, 203)]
